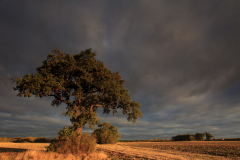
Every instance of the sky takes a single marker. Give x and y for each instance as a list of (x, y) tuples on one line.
[(180, 60)]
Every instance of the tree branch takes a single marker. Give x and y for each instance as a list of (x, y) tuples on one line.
[(58, 97)]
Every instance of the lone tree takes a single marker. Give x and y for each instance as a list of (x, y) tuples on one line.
[(209, 136), (87, 80)]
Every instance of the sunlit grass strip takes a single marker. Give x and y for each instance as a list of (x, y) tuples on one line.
[(40, 155)]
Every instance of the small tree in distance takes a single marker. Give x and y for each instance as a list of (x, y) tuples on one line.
[(86, 79), (199, 136), (209, 136)]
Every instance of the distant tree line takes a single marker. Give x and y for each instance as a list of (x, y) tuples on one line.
[(27, 139), (193, 137), (147, 140)]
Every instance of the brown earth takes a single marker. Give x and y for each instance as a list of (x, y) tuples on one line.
[(120, 151), (126, 151)]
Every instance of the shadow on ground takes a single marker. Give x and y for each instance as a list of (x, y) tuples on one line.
[(2, 149)]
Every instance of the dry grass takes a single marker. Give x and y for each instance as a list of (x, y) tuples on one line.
[(39, 155), (36, 151), (127, 150), (24, 146)]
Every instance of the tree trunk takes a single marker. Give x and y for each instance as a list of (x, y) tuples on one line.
[(79, 130)]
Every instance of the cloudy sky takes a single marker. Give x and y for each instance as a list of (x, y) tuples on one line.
[(180, 60)]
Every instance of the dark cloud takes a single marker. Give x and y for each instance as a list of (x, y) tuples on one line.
[(180, 60)]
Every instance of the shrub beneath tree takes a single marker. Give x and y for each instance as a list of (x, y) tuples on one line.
[(71, 142)]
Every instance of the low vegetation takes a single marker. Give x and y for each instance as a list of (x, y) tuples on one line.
[(39, 155), (71, 142), (106, 134), (76, 144)]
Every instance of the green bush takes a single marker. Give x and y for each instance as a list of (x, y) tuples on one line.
[(199, 136), (106, 134), (70, 142), (66, 132)]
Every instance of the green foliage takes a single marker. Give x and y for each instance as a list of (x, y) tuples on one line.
[(77, 143), (84, 78), (186, 137), (209, 136), (66, 132), (106, 134), (199, 136), (189, 137)]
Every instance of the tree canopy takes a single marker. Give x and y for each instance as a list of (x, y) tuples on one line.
[(87, 80), (209, 136)]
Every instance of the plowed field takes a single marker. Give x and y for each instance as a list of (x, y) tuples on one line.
[(150, 150), (174, 150)]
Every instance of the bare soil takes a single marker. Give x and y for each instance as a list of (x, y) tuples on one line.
[(123, 150), (129, 151)]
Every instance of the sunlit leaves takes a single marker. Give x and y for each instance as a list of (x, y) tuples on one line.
[(86, 79)]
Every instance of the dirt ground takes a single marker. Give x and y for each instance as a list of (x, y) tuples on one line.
[(120, 151), (130, 152)]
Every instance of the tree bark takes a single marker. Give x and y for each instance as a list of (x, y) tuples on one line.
[(79, 130)]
